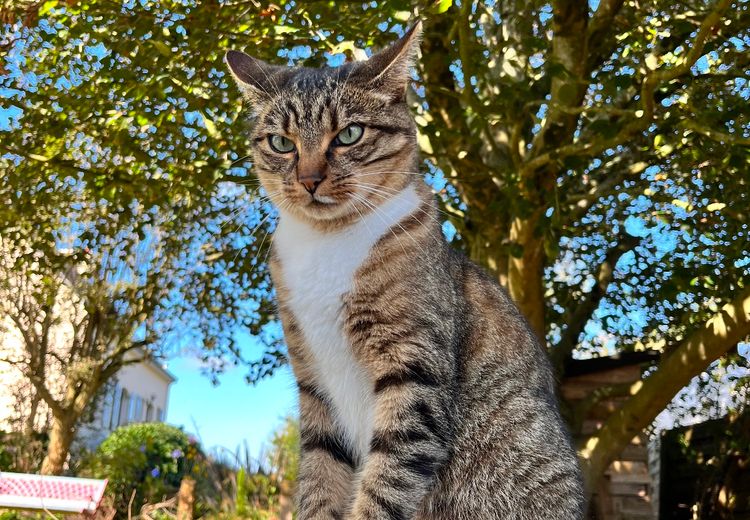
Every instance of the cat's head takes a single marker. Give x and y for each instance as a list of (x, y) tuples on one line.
[(331, 143)]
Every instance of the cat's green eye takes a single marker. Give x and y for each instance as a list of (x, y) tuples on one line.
[(349, 135), (280, 144)]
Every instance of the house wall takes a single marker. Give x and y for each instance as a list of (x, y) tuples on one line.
[(14, 388), (140, 393)]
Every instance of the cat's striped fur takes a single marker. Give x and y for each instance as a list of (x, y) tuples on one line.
[(423, 394)]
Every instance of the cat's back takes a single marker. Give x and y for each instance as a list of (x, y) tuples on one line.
[(510, 445)]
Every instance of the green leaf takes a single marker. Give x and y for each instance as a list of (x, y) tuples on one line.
[(442, 6), (47, 7), (284, 29), (163, 48), (210, 127)]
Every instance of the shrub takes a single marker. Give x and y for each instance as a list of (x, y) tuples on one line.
[(22, 453), (241, 499), (6, 457), (150, 458)]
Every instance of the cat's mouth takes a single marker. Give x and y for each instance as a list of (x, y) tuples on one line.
[(322, 200)]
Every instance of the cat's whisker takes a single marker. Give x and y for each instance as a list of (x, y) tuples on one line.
[(385, 172), (283, 204), (413, 216), (380, 215), (232, 215), (379, 212), (257, 184), (240, 160), (361, 216), (394, 192), (385, 195), (251, 234), (419, 246)]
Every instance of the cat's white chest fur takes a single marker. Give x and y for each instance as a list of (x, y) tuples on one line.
[(318, 271)]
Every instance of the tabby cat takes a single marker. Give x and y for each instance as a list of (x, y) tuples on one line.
[(423, 393)]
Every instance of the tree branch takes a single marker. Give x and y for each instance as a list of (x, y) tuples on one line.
[(585, 309), (639, 119), (709, 342), (569, 50), (716, 135), (581, 202), (600, 27), (659, 76)]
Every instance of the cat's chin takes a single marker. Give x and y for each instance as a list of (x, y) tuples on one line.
[(322, 212)]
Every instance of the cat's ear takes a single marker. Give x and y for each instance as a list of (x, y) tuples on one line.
[(255, 78), (388, 70)]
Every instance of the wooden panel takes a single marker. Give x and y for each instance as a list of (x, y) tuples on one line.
[(629, 488), (632, 508), (630, 472), (626, 374), (633, 452)]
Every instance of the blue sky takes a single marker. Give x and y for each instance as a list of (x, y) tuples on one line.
[(232, 413)]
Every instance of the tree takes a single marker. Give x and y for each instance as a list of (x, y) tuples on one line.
[(592, 155), (75, 329)]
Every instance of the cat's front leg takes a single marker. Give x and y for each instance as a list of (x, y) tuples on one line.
[(410, 442), (326, 473)]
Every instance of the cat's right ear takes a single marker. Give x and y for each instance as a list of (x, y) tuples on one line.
[(256, 79)]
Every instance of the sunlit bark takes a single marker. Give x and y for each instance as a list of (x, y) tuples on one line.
[(650, 396)]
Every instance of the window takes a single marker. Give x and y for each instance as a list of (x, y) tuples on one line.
[(108, 408), (159, 415), (135, 410), (116, 411), (149, 412), (124, 408)]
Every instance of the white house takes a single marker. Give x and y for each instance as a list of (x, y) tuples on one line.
[(140, 393)]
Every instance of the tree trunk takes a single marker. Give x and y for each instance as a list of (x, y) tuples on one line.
[(60, 438), (186, 499), (525, 274), (28, 429), (652, 394), (286, 503)]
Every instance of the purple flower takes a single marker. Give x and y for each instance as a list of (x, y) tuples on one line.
[(143, 448), (155, 472), (176, 453)]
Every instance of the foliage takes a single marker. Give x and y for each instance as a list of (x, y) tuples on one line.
[(240, 503), (22, 452), (704, 468), (260, 485), (283, 457), (592, 155), (6, 458), (149, 458)]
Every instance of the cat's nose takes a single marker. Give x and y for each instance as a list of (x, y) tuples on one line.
[(311, 181)]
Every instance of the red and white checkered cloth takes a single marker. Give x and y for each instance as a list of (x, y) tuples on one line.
[(60, 494)]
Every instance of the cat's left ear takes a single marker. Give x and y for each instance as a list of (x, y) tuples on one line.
[(256, 78), (388, 70)]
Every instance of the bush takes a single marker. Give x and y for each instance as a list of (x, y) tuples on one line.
[(150, 458), (6, 457), (22, 453)]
